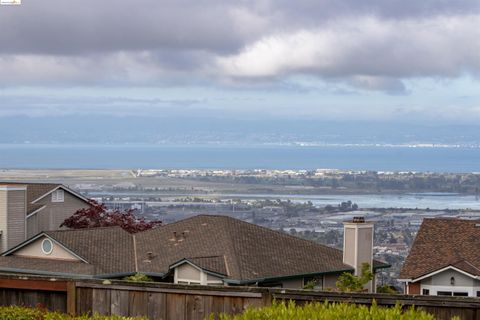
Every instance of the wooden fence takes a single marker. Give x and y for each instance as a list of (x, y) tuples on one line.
[(169, 301)]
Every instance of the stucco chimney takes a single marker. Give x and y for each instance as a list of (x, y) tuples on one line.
[(358, 245)]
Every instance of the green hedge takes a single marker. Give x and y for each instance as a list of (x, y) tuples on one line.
[(329, 311), (21, 313)]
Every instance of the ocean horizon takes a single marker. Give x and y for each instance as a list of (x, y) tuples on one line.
[(157, 156)]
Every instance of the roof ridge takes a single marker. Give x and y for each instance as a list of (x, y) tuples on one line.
[(85, 229), (216, 256)]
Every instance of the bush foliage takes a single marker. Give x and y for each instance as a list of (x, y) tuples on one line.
[(97, 215), (139, 277), (328, 311), (347, 282), (22, 313)]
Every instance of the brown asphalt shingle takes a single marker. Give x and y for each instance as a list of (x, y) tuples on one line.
[(444, 242), (110, 250), (239, 250), (34, 265), (250, 251), (214, 264)]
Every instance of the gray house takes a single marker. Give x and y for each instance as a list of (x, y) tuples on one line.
[(29, 208)]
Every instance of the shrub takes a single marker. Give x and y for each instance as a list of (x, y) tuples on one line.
[(328, 311), (139, 277), (347, 282), (23, 313), (387, 289)]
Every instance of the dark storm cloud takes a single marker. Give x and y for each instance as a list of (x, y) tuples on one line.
[(79, 27), (370, 44)]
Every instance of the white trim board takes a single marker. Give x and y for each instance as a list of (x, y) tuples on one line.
[(65, 189), (8, 188), (36, 211), (444, 269)]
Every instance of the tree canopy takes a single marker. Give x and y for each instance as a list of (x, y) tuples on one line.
[(97, 215)]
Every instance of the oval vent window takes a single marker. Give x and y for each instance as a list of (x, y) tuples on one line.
[(47, 246)]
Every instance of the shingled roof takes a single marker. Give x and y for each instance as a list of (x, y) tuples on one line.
[(239, 251), (249, 251), (102, 251), (110, 249), (441, 243)]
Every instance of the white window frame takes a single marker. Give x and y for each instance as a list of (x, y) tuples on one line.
[(472, 291), (51, 246), (58, 195)]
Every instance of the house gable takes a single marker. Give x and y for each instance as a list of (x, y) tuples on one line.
[(65, 189), (188, 273), (50, 214), (34, 250), (449, 281)]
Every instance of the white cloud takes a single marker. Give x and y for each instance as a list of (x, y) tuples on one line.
[(365, 47)]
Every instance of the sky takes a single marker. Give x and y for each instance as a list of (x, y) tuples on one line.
[(389, 61)]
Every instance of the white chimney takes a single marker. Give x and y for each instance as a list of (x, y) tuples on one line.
[(358, 246)]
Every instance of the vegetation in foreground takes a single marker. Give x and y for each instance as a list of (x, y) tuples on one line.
[(328, 311), (23, 313)]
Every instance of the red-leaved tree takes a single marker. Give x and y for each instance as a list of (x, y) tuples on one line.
[(99, 216)]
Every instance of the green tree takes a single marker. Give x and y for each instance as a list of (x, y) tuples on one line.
[(348, 282)]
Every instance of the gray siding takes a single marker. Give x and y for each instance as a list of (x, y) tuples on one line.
[(54, 213), (443, 279), (330, 281), (16, 208), (293, 284), (3, 220)]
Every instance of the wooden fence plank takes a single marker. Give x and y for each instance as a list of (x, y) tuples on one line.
[(138, 301), (252, 303), (195, 307), (209, 292), (233, 305), (157, 305), (175, 306), (101, 302), (84, 301), (119, 303), (169, 301), (214, 305)]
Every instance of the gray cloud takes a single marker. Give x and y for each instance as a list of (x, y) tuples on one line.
[(371, 44)]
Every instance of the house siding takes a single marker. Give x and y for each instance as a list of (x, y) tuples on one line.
[(187, 272), (16, 208), (54, 213), (443, 279), (293, 284), (3, 220), (330, 281)]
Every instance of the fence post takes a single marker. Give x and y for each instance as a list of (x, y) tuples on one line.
[(71, 298), (267, 298)]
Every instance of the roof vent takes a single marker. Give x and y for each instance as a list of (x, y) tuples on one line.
[(150, 255), (358, 220), (477, 225)]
